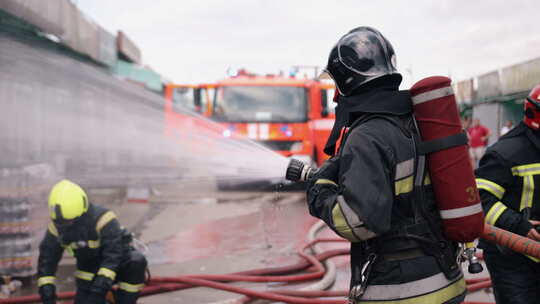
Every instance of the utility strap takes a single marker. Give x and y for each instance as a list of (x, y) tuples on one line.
[(434, 145)]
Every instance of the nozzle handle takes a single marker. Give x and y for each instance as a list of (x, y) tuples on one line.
[(297, 171)]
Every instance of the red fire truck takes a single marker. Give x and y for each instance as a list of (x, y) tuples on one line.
[(181, 103), (289, 115)]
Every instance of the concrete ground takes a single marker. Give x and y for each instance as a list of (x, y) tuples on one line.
[(195, 229)]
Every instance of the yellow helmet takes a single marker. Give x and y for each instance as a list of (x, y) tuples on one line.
[(67, 201)]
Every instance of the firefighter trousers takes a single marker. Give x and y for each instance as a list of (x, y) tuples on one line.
[(129, 279), (515, 277)]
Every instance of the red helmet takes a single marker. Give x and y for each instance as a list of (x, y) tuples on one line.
[(532, 109)]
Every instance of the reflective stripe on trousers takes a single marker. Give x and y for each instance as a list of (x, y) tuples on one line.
[(46, 280), (128, 287), (430, 290), (84, 275)]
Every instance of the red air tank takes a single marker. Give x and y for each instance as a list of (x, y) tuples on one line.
[(450, 169)]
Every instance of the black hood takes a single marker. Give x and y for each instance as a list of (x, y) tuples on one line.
[(383, 100)]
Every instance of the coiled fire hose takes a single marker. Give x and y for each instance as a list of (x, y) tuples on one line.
[(166, 284)]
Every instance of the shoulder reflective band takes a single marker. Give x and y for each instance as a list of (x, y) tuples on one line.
[(494, 213), (490, 187), (461, 212), (52, 229), (46, 280), (325, 181), (433, 289), (404, 186), (104, 220), (524, 170), (433, 94), (527, 192), (404, 169), (106, 272), (130, 287), (84, 275)]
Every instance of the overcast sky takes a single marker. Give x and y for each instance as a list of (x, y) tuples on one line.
[(197, 40)]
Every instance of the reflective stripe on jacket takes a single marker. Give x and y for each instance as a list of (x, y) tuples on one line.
[(433, 289)]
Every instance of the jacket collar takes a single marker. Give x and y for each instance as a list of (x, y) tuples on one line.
[(378, 101), (523, 130)]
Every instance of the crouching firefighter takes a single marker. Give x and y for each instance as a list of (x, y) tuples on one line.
[(373, 191), (93, 235), (508, 179)]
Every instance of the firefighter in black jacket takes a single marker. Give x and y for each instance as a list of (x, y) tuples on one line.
[(506, 178), (101, 246), (367, 191)]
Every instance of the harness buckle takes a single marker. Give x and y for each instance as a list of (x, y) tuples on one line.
[(358, 290)]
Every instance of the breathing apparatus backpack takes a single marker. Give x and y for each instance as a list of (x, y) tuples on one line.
[(444, 145), (441, 149)]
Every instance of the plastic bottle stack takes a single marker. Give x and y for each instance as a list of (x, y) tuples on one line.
[(22, 193)]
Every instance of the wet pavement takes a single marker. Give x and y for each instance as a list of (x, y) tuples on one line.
[(235, 232)]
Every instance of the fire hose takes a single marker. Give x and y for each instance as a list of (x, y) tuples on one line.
[(204, 280), (277, 274)]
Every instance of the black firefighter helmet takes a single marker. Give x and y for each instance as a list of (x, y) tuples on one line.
[(360, 56)]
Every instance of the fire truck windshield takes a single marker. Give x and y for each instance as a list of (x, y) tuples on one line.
[(183, 99), (260, 103)]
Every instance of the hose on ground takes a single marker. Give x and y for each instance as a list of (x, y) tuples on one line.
[(279, 274)]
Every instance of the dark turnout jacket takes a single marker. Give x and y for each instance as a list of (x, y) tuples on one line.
[(373, 199), (506, 178), (95, 240)]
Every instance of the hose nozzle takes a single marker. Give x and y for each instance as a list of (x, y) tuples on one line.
[(297, 171)]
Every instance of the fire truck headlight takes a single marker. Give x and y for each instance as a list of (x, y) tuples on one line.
[(297, 146), (227, 133)]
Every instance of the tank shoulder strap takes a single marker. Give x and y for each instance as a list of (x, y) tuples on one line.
[(426, 147)]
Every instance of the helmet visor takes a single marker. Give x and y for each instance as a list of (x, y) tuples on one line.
[(61, 222)]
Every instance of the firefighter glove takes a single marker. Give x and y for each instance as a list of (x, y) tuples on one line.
[(101, 285), (328, 171), (324, 181)]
